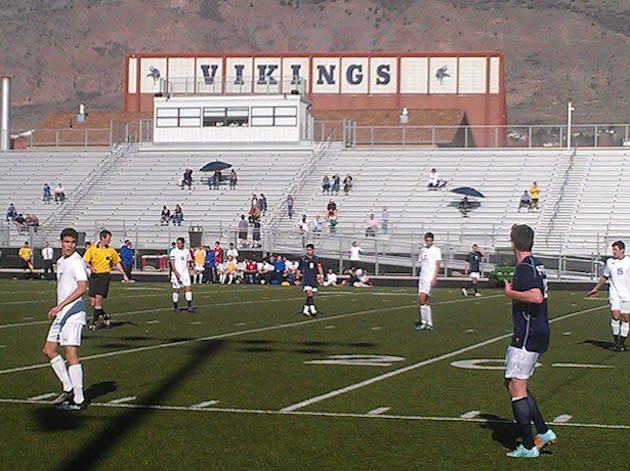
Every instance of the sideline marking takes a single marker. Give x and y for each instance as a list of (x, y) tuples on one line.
[(562, 419), (122, 400), (378, 411), (298, 323), (360, 359), (201, 405), (313, 414), (579, 365), (42, 396), (470, 414), (391, 374)]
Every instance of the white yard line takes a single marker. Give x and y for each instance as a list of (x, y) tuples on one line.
[(430, 361), (314, 414)]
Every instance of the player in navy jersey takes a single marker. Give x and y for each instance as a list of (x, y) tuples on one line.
[(312, 274), (530, 338), (472, 269)]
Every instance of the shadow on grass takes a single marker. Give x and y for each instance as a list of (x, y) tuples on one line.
[(503, 430), (600, 344), (115, 434)]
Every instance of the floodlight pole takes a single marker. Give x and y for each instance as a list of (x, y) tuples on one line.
[(570, 110)]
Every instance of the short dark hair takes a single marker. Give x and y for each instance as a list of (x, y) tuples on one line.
[(69, 232), (429, 235), (522, 236), (104, 233), (182, 239), (620, 245), (310, 246)]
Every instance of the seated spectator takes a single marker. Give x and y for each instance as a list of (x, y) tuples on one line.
[(464, 206), (372, 226), (165, 217), (525, 201), (216, 179), (232, 251), (280, 268), (336, 184), (291, 269), (46, 193), (11, 213), (256, 234), (434, 180), (233, 179), (318, 226), (251, 271), (331, 278), (265, 271), (20, 222), (178, 215), (325, 185), (32, 221), (60, 194), (347, 184), (187, 180), (229, 274)]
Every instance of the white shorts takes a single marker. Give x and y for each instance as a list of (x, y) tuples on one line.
[(474, 275), (183, 282), (68, 334), (619, 305), (199, 268), (424, 285), (310, 288), (520, 363)]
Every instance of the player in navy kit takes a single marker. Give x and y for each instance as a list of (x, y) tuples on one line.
[(530, 339), (472, 269), (312, 274)]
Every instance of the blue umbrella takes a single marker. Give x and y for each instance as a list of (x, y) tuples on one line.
[(467, 191), (214, 166)]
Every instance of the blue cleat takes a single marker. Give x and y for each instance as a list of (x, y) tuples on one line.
[(541, 440), (522, 452)]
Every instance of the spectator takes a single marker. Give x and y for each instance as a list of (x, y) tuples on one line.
[(60, 194), (11, 213), (291, 271), (525, 201), (254, 214), (290, 203), (127, 255), (187, 180), (318, 226), (216, 179), (331, 207), (165, 217), (256, 234), (385, 220), (254, 201), (279, 270), (178, 215), (233, 252), (303, 229), (361, 279), (210, 272), (46, 193), (434, 179), (534, 192), (32, 221), (355, 251), (465, 206), (243, 227), (48, 258), (336, 184), (372, 226), (325, 185), (230, 271), (332, 222), (251, 271), (218, 253), (20, 222), (347, 184), (26, 255), (331, 278), (262, 204), (233, 179)]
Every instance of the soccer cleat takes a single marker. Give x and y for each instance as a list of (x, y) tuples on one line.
[(190, 309), (418, 326), (541, 440), (73, 405), (464, 292), (107, 320), (313, 310), (621, 348), (92, 326), (477, 294), (65, 396), (305, 311), (522, 452), (427, 327)]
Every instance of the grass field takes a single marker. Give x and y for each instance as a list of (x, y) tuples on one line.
[(247, 383)]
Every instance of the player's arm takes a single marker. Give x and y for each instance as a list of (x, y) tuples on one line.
[(531, 296), (76, 294), (438, 263), (597, 287), (120, 268), (320, 273), (171, 261), (466, 267)]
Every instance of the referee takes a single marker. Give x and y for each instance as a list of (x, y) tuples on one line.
[(100, 258)]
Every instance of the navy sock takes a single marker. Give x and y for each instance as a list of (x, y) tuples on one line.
[(522, 416), (537, 418), (309, 301)]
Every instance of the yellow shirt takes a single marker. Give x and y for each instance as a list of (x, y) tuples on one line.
[(534, 191), (102, 259), (25, 252), (200, 257)]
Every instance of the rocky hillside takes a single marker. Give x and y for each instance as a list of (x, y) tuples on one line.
[(60, 52)]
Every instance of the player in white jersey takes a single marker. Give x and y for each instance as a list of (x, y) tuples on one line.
[(617, 272), (181, 262), (69, 316), (430, 259)]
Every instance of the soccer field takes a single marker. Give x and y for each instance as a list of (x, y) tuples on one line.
[(247, 383)]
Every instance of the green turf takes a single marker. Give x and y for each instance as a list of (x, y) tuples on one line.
[(248, 349)]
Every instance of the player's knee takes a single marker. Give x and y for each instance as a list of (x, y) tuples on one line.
[(49, 352)]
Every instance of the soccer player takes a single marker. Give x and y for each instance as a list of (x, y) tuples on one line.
[(617, 272), (312, 273), (430, 259), (26, 255), (199, 258), (69, 316), (471, 268), (181, 262), (530, 339), (100, 258)]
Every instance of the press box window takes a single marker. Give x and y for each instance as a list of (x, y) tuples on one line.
[(231, 116), (178, 117), (274, 116)]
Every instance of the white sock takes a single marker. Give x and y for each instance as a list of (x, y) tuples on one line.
[(188, 295), (625, 328), (425, 312), (76, 375), (59, 367), (175, 297), (616, 326)]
